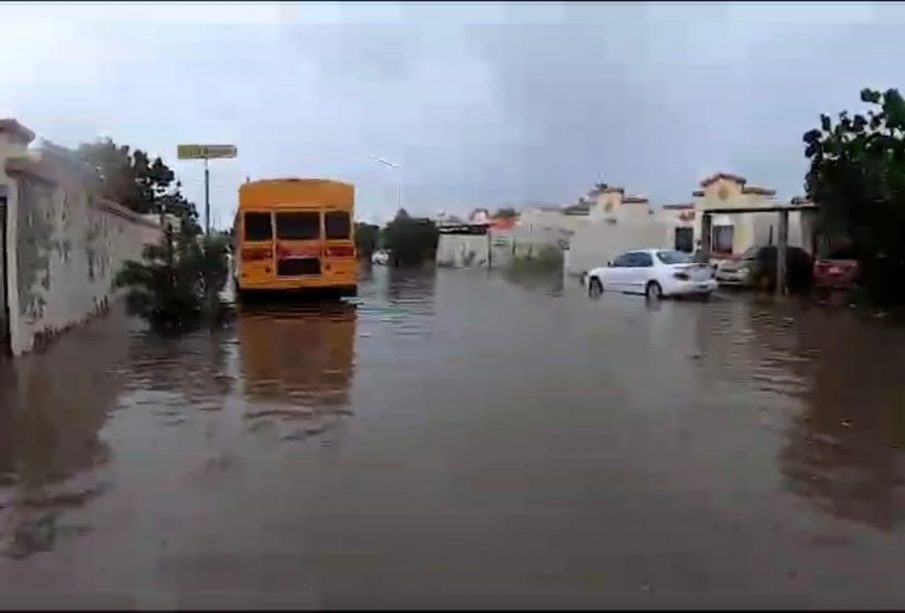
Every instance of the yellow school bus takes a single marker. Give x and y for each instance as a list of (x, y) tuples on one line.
[(295, 234)]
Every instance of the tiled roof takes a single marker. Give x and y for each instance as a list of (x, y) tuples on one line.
[(577, 209), (17, 130), (724, 175), (763, 191)]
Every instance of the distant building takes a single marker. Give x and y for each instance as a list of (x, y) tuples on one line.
[(617, 222)]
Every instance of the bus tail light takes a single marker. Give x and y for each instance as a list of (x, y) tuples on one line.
[(341, 251), (255, 253)]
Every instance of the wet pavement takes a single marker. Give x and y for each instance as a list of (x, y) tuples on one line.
[(459, 439)]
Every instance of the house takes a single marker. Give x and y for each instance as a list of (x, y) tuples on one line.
[(620, 222)]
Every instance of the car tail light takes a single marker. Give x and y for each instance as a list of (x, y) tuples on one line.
[(256, 253), (341, 251), (681, 275)]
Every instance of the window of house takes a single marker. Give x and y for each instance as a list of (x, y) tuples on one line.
[(722, 239), (685, 239)]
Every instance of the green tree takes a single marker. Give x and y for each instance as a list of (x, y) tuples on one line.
[(506, 212), (857, 178), (412, 241), (366, 238), (179, 281), (139, 183)]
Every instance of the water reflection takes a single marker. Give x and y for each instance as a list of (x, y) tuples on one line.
[(551, 282), (181, 373), (53, 406), (412, 289), (297, 364), (844, 447), (510, 446)]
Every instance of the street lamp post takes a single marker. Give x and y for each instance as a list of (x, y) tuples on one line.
[(393, 166)]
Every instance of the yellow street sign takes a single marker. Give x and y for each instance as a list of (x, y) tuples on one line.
[(205, 152)]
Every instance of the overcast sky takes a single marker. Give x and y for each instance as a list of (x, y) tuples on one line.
[(480, 105)]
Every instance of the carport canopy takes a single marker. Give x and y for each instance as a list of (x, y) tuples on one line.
[(782, 239)]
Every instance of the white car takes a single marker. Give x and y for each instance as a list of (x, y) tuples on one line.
[(654, 273), (380, 257)]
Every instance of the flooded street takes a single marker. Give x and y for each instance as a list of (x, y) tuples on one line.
[(459, 439)]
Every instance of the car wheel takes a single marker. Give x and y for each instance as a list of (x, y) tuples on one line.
[(653, 291), (595, 287)]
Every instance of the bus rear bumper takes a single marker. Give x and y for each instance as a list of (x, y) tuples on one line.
[(295, 293)]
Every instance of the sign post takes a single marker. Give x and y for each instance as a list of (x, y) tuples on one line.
[(206, 152)]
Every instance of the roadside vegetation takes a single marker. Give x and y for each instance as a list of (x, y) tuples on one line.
[(177, 284), (547, 258), (367, 237), (857, 178), (410, 241)]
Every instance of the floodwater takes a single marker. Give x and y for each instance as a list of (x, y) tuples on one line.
[(459, 439)]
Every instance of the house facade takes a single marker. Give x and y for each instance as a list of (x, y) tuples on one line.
[(616, 222)]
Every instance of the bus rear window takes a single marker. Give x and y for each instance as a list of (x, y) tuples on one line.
[(298, 226), (337, 225), (257, 227)]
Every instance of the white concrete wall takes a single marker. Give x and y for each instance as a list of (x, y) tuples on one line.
[(65, 247), (462, 250), (597, 244), (801, 229), (11, 145)]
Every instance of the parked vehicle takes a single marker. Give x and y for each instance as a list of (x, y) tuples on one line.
[(838, 271), (296, 235), (380, 257), (654, 273), (756, 267)]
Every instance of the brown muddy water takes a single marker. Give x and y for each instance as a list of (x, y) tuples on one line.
[(454, 439)]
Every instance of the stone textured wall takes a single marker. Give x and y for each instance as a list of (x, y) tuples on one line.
[(68, 245)]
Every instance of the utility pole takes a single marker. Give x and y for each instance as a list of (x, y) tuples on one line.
[(207, 198), (206, 153)]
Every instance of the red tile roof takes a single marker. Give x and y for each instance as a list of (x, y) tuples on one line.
[(503, 223)]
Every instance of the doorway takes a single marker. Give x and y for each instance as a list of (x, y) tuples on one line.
[(684, 240), (4, 274)]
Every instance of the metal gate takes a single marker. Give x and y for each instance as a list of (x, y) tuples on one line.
[(4, 273)]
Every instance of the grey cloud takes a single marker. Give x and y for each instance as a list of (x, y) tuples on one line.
[(483, 104)]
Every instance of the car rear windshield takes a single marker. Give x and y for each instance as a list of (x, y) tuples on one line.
[(258, 227), (843, 254), (337, 225), (750, 253), (298, 226), (674, 257)]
